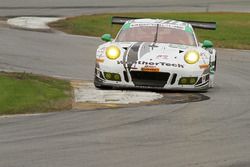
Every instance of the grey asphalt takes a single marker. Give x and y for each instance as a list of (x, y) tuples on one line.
[(212, 133), (77, 7), (58, 54)]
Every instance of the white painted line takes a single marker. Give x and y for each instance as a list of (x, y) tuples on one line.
[(86, 92), (32, 22)]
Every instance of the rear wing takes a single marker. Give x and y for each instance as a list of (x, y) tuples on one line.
[(195, 24), (121, 20)]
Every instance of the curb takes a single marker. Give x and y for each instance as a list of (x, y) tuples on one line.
[(32, 23)]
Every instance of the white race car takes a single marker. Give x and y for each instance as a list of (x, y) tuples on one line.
[(156, 54)]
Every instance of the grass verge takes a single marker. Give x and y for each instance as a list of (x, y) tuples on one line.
[(27, 93), (232, 32)]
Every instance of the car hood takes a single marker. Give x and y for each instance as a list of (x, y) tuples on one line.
[(154, 52)]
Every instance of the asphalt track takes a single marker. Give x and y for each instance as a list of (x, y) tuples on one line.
[(76, 7), (212, 133)]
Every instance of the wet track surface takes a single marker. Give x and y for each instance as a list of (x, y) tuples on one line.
[(210, 133)]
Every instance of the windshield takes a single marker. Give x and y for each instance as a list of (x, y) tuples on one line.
[(148, 34)]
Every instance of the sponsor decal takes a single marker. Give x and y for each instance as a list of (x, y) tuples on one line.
[(152, 63), (99, 52), (162, 57), (204, 66), (134, 68), (174, 26), (150, 69), (178, 46), (99, 60)]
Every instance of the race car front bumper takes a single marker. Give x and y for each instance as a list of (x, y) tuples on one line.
[(178, 80)]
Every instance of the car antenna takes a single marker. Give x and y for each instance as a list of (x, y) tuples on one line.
[(156, 37)]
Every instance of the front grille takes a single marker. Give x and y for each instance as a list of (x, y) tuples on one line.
[(149, 79)]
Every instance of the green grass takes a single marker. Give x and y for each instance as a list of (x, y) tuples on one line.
[(26, 93), (233, 28)]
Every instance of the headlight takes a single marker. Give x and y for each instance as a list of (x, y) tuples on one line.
[(192, 57), (113, 52), (188, 80)]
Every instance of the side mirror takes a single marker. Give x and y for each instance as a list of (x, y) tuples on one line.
[(107, 37), (207, 44)]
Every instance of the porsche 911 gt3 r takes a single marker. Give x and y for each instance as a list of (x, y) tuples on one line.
[(156, 54)]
